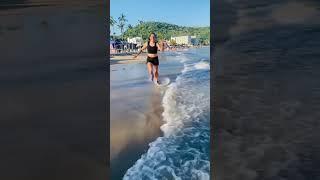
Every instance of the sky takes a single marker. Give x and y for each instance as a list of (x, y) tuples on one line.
[(194, 13)]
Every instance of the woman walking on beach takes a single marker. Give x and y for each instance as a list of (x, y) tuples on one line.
[(152, 58)]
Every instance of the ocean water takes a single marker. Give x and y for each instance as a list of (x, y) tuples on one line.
[(183, 152)]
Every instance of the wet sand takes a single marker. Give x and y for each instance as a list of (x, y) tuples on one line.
[(135, 115)]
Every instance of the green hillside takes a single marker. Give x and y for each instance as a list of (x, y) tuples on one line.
[(166, 30)]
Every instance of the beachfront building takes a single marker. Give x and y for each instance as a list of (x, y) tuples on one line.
[(186, 40), (182, 40), (136, 40)]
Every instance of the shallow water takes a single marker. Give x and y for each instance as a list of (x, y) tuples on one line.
[(183, 151)]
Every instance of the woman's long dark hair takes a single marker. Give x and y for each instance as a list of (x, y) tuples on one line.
[(154, 36)]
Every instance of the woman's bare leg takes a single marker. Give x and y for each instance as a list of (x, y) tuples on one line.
[(149, 66), (156, 73)]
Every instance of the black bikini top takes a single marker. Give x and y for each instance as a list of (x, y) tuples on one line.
[(152, 49)]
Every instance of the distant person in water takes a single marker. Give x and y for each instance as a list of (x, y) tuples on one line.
[(152, 47)]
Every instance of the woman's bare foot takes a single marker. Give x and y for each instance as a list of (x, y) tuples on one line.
[(157, 81)]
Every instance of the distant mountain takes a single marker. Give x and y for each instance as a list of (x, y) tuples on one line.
[(166, 30)]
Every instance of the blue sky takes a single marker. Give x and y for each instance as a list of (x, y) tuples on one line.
[(180, 12)]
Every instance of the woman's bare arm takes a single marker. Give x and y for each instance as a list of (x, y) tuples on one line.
[(143, 48), (160, 46)]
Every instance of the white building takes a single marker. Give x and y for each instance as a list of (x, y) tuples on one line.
[(136, 40), (182, 40), (186, 40)]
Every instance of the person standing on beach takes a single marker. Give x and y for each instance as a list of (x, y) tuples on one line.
[(152, 47)]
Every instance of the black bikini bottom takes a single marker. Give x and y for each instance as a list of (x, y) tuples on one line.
[(153, 60)]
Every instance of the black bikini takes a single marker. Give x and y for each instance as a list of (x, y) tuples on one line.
[(152, 50)]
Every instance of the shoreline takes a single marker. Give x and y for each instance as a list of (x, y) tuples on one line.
[(135, 117), (135, 141), (165, 149), (136, 109)]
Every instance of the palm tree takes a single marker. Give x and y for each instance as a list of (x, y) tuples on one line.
[(112, 23), (140, 22), (122, 22), (121, 26)]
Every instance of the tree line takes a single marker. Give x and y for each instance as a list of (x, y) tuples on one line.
[(162, 29)]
